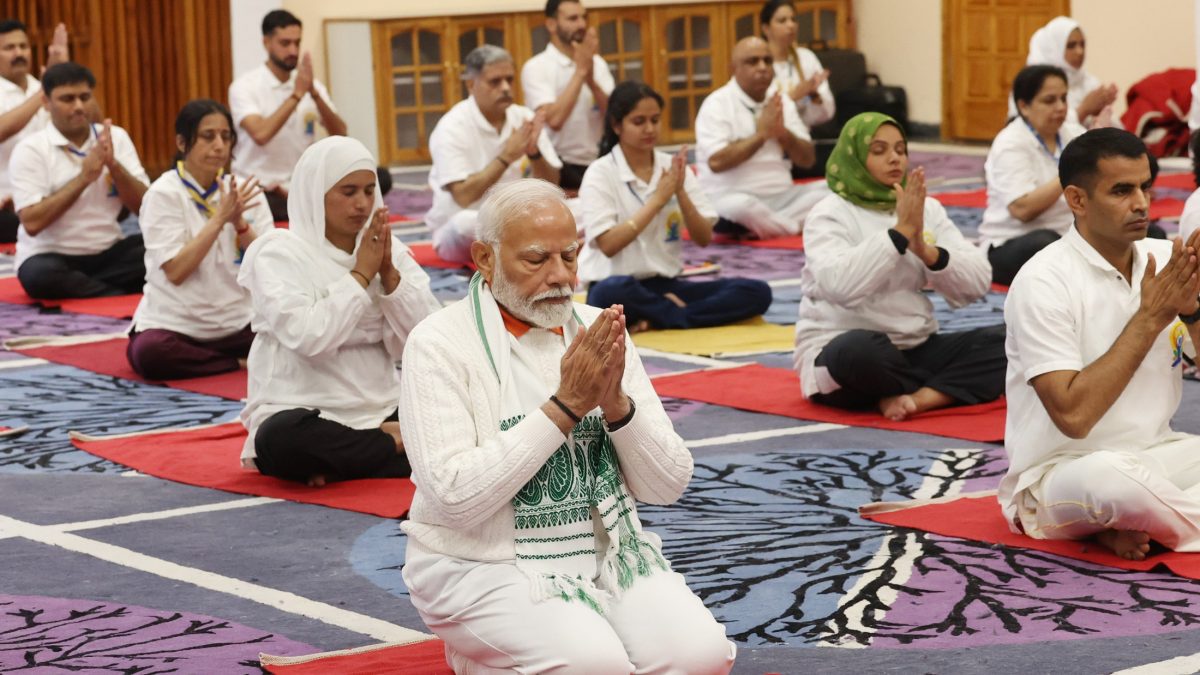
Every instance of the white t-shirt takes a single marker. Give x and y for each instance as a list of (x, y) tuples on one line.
[(787, 77), (854, 278), (259, 92), (45, 161), (543, 78), (209, 304), (12, 96), (1064, 311), (609, 195), (1017, 164), (728, 114), (1190, 219), (463, 143)]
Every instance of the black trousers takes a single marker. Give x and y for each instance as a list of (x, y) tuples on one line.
[(570, 176), (1008, 258), (968, 367), (9, 222), (277, 202), (297, 444), (118, 271)]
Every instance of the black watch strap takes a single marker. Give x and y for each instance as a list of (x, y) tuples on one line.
[(1190, 319)]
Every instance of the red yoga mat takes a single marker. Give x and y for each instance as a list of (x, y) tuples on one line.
[(425, 257), (792, 243), (419, 658), (1177, 181), (976, 199), (116, 307), (776, 391), (209, 457), (979, 518), (107, 357), (8, 248), (1168, 207)]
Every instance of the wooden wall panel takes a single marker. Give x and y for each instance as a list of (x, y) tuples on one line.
[(149, 56)]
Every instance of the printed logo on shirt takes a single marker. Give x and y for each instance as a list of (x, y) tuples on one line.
[(310, 124), (1177, 335), (930, 238), (673, 222), (525, 168), (111, 184)]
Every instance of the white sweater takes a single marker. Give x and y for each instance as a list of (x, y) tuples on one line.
[(467, 471)]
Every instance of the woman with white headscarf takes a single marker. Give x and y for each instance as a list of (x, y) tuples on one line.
[(1060, 43), (334, 300)]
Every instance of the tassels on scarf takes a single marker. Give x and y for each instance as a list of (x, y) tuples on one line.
[(548, 585)]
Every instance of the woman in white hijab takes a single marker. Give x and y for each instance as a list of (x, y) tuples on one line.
[(1061, 43), (334, 297)]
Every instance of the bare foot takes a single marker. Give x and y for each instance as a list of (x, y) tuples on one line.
[(675, 299), (1128, 544), (316, 481), (393, 429), (640, 327), (897, 408)]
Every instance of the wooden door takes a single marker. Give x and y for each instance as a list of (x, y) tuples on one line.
[(413, 86), (985, 43), (693, 54), (742, 17), (625, 43)]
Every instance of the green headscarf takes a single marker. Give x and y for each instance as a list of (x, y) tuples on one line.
[(846, 171)]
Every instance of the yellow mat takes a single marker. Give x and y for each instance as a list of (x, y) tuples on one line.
[(752, 336)]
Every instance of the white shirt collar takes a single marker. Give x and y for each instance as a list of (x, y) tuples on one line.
[(57, 139), (743, 97), (8, 86), (483, 123), (275, 83), (625, 173), (562, 59), (1076, 241)]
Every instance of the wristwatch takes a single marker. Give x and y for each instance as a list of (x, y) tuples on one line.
[(1190, 319)]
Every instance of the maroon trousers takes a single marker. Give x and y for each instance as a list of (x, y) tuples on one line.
[(159, 354)]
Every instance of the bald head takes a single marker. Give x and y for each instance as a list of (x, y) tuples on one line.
[(752, 67)]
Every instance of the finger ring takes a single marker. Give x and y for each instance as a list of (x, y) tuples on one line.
[(375, 238)]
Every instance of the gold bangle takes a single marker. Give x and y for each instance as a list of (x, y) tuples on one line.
[(361, 276), (633, 226)]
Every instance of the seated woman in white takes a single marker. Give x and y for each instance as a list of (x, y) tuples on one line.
[(334, 299), (798, 71), (1061, 44), (634, 200), (194, 318), (1025, 207), (866, 337), (1189, 222)]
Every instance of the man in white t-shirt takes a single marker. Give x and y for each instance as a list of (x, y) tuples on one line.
[(570, 83), (278, 105), (480, 142), (70, 182), (746, 143), (1097, 325), (21, 109)]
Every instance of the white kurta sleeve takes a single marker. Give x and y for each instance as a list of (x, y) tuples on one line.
[(1041, 328), (306, 323), (968, 275), (125, 153), (844, 271), (410, 302), (468, 476)]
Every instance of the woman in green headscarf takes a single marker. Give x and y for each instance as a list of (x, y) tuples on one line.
[(866, 337)]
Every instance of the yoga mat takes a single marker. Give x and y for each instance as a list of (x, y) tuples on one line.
[(9, 432), (752, 336), (423, 252), (1167, 207), (105, 354), (8, 248), (427, 657), (977, 516), (976, 199), (116, 307), (792, 243), (776, 391), (1177, 181), (209, 457)]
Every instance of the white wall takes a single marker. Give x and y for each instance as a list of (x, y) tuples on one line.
[(351, 80), (902, 42), (245, 19)]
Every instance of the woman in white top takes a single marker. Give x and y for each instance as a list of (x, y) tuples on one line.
[(334, 299), (1025, 205), (634, 201), (1060, 43), (1189, 222), (798, 71), (194, 319), (866, 337)]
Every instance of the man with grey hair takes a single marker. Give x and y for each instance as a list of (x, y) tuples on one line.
[(532, 427), (482, 141)]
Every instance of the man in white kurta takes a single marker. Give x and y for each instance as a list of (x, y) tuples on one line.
[(525, 551), (746, 143), (570, 83), (482, 141), (1097, 325)]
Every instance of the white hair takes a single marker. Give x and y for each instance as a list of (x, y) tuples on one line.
[(509, 201)]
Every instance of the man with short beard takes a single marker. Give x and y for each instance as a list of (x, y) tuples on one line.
[(21, 110), (532, 427), (278, 105), (570, 83)]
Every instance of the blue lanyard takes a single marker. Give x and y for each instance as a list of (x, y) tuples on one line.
[(1041, 141), (80, 153), (199, 197)]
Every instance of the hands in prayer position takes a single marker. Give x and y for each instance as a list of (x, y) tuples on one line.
[(375, 254), (58, 51), (670, 183), (524, 141), (1174, 290), (304, 75), (593, 367), (770, 120), (585, 49), (809, 87), (1096, 100), (910, 215)]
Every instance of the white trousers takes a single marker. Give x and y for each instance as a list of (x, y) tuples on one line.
[(1156, 491), (777, 215), (486, 615)]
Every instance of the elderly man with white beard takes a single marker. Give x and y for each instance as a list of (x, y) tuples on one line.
[(532, 427)]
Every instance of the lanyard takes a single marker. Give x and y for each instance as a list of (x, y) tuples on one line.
[(1041, 141), (80, 153), (201, 198)]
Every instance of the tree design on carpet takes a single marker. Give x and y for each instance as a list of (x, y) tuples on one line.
[(746, 261), (51, 634), (29, 321)]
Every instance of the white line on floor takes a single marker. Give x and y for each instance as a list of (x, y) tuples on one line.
[(162, 515), (949, 149), (646, 352), (1180, 665), (21, 363), (783, 283), (282, 600), (748, 436)]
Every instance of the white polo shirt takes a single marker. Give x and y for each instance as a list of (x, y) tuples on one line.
[(12, 96), (727, 115), (209, 304), (1016, 165), (609, 195), (42, 164), (543, 78), (1064, 311), (259, 92), (463, 143), (787, 76), (1189, 220)]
